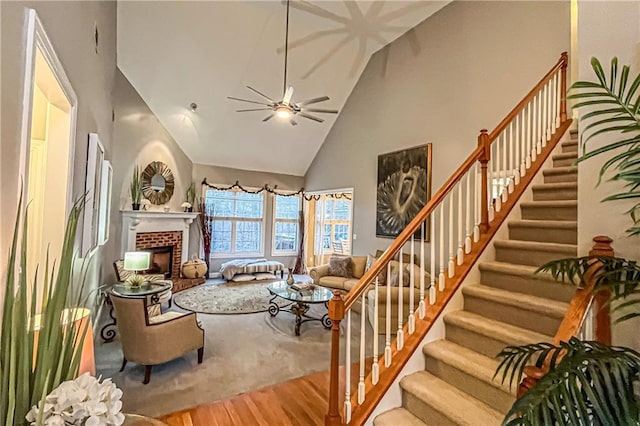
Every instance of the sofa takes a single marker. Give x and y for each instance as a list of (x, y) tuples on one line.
[(321, 276)]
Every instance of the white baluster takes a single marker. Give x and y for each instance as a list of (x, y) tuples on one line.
[(520, 143), (432, 271), (490, 176), (375, 368), (469, 214), (540, 124), (400, 332), (362, 349), (347, 369), (554, 116), (387, 342), (460, 254), (513, 168), (545, 113), (412, 318), (535, 149), (452, 266), (549, 111), (476, 199), (441, 249), (558, 99), (422, 309), (505, 168), (495, 159)]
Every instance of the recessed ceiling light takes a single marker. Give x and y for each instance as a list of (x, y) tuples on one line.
[(193, 106)]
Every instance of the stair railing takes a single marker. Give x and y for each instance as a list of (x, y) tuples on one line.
[(459, 221), (587, 316)]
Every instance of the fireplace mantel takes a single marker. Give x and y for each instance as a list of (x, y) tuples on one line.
[(134, 222)]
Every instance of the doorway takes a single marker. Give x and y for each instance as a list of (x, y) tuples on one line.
[(49, 119)]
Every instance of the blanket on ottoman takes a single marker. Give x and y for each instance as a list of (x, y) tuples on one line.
[(249, 266)]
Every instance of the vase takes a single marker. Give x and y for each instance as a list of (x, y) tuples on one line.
[(135, 206), (290, 279)]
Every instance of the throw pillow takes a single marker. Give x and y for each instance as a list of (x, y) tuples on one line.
[(382, 276), (243, 277), (341, 267)]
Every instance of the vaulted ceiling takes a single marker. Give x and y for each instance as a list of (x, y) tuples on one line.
[(176, 53)]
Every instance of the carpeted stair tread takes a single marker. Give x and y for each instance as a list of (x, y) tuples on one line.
[(550, 203), (469, 361), (450, 402), (514, 269), (552, 224), (570, 146), (555, 186), (541, 305), (564, 155), (566, 249), (398, 417), (507, 333), (560, 170)]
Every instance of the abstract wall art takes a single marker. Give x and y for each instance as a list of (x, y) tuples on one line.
[(404, 186)]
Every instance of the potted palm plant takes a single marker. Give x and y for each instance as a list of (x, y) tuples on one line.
[(190, 198), (136, 188), (587, 382)]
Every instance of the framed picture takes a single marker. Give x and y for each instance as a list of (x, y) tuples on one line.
[(404, 186), (92, 189), (105, 203)]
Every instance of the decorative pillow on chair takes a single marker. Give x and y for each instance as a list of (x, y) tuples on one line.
[(341, 267), (382, 276)]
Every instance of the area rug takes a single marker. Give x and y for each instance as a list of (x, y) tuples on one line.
[(227, 298)]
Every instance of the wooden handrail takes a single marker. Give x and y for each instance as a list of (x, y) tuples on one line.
[(560, 65), (579, 306)]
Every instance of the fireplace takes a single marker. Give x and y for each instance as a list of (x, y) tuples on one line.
[(166, 248), (161, 261)]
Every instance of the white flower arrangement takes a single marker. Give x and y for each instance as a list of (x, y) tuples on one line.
[(83, 401), (186, 205)]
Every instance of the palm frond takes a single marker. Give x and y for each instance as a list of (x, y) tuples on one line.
[(591, 384), (618, 113)]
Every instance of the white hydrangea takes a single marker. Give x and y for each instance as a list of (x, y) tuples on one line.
[(83, 401)]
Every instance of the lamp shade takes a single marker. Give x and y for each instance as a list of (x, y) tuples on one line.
[(137, 260)]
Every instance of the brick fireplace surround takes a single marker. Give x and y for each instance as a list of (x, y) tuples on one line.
[(148, 230)]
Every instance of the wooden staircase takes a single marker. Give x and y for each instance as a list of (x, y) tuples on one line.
[(510, 306)]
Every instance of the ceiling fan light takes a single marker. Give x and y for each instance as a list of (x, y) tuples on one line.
[(283, 113)]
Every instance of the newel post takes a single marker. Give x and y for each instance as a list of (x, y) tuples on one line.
[(602, 247), (483, 141), (563, 86), (336, 314)]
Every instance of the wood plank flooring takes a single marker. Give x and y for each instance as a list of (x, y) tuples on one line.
[(301, 402)]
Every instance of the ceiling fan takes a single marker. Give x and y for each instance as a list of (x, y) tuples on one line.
[(285, 108)]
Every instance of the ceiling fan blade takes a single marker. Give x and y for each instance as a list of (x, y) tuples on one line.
[(269, 117), (326, 111), (293, 122), (253, 109), (310, 117), (246, 100), (261, 94), (287, 96), (314, 100)]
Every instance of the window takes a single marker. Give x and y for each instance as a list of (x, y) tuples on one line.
[(337, 222), (286, 225), (238, 223)]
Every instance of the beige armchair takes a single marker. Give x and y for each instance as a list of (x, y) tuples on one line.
[(151, 340)]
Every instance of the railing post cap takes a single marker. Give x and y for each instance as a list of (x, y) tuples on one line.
[(336, 306), (602, 239), (482, 131)]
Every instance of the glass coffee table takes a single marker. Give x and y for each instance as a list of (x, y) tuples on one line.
[(302, 301)]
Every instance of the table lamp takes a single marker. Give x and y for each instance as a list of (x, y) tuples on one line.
[(136, 261)]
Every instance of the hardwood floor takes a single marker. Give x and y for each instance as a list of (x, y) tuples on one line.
[(298, 402), (301, 401)]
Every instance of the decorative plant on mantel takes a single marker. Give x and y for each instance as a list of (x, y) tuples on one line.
[(136, 188), (588, 382), (31, 365)]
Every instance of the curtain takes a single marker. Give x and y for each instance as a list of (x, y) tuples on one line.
[(301, 267)]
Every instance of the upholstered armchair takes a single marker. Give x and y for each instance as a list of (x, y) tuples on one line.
[(149, 339), (122, 275)]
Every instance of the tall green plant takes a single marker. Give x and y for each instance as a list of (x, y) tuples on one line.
[(590, 383), (29, 370), (191, 194), (136, 186)]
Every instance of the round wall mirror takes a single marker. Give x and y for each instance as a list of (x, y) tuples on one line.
[(157, 183)]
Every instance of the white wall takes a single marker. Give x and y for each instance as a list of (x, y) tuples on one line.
[(474, 62), (607, 29)]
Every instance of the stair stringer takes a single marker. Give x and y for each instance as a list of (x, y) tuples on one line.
[(393, 397)]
